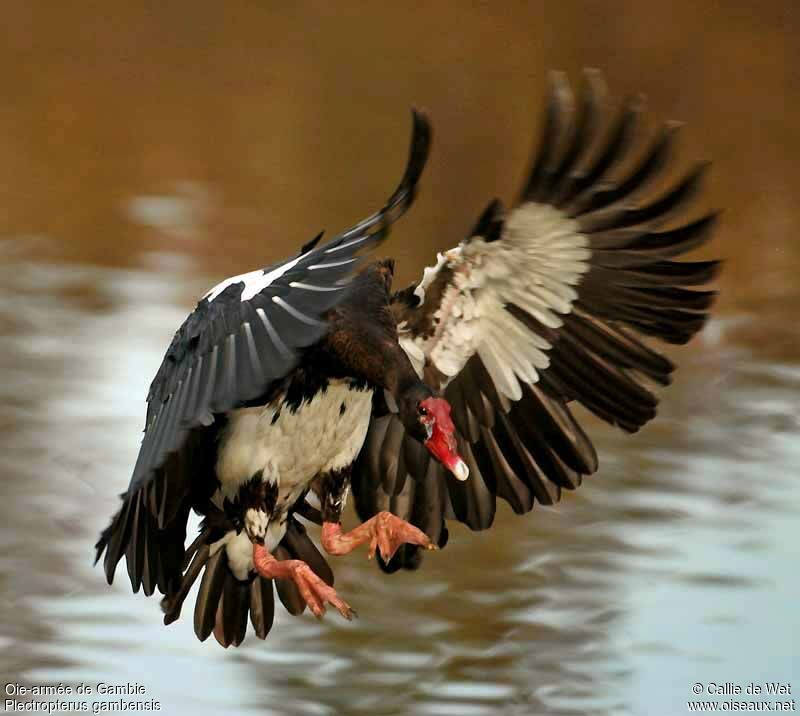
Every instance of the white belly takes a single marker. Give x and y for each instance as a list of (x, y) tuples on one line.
[(324, 434), (318, 438)]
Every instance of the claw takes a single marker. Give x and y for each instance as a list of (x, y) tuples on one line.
[(315, 592), (385, 532)]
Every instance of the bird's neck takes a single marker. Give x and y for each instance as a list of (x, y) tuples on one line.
[(405, 385), (389, 368), (364, 338)]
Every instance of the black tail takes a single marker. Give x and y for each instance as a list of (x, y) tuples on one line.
[(156, 559), (224, 602)]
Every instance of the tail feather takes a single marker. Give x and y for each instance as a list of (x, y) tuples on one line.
[(300, 546), (288, 592), (156, 559), (205, 609), (171, 604), (201, 539), (224, 602), (234, 605), (262, 606)]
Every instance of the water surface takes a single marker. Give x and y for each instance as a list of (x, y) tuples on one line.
[(148, 153)]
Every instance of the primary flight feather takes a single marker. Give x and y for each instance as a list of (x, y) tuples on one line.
[(291, 385)]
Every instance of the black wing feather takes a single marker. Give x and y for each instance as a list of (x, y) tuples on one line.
[(290, 317), (230, 350), (599, 174)]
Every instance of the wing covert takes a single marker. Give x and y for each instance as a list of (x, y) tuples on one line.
[(544, 305), (248, 331)]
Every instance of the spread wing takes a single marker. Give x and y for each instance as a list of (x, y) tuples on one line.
[(245, 334), (248, 331), (541, 306)]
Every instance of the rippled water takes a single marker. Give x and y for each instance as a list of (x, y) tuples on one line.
[(676, 559), (675, 564)]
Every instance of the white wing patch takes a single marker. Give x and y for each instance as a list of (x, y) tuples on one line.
[(254, 281), (537, 263), (430, 273)]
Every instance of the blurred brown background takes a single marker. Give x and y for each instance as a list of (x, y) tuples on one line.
[(149, 149), (288, 118)]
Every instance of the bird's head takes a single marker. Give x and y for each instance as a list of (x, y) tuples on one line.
[(434, 428)]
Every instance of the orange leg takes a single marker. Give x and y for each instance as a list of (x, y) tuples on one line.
[(315, 592), (384, 531)]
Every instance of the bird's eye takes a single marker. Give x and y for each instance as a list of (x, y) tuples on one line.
[(422, 410)]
